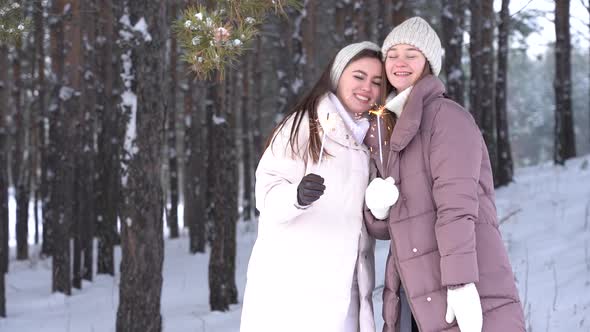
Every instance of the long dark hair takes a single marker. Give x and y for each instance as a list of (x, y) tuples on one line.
[(309, 105)]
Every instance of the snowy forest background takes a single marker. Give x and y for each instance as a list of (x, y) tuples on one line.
[(112, 152)]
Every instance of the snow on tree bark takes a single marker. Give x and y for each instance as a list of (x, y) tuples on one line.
[(142, 243), (59, 211)]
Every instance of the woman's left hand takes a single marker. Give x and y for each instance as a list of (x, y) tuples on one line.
[(464, 304)]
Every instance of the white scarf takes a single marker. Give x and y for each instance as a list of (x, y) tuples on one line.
[(396, 103), (359, 128)]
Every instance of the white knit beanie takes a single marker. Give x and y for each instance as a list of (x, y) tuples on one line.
[(417, 32), (345, 55)]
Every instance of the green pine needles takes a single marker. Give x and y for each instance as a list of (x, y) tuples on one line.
[(12, 23), (214, 39)]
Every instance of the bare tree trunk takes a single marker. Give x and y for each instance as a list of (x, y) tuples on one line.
[(488, 109), (248, 112), (384, 20), (482, 73), (505, 168), (565, 143), (475, 52), (20, 153), (222, 177), (110, 138), (70, 95), (42, 119), (194, 201), (453, 27), (4, 100), (38, 124), (257, 136), (86, 164), (59, 206), (401, 12), (142, 239), (587, 5), (171, 114)]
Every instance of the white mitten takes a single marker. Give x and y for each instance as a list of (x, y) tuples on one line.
[(463, 303), (380, 195)]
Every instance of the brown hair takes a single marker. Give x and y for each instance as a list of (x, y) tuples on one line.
[(309, 105)]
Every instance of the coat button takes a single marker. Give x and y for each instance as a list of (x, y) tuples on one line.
[(415, 250), (429, 299), (347, 137)]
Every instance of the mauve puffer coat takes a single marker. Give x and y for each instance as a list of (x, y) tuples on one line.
[(444, 228)]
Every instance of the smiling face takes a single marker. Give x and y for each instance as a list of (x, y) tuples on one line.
[(360, 84), (404, 65)]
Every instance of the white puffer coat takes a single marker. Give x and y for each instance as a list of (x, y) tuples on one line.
[(301, 274)]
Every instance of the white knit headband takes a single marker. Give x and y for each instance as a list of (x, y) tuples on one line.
[(345, 55)]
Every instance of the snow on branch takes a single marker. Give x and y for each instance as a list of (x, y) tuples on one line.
[(12, 23), (213, 39)]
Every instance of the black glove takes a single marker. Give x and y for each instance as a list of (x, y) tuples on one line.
[(310, 189)]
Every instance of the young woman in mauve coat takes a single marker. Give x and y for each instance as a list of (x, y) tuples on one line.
[(312, 266), (447, 269)]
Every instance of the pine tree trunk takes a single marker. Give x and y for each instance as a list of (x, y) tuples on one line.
[(565, 143), (74, 111), (257, 136), (40, 115), (400, 12), (108, 166), (487, 88), (235, 90), (194, 208), (20, 154), (453, 22), (282, 40), (505, 167), (60, 164), (222, 186), (475, 53), (172, 215), (360, 19), (587, 5), (4, 96), (384, 21), (141, 233), (247, 113), (43, 113), (87, 212)]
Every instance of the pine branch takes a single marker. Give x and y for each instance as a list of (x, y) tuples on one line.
[(212, 40), (12, 23)]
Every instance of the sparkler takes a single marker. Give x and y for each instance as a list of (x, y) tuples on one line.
[(378, 111)]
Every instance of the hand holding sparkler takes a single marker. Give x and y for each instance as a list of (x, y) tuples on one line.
[(378, 111)]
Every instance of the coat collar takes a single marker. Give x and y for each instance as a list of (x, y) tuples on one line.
[(334, 125), (406, 127)]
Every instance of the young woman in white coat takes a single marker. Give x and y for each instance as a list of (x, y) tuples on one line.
[(312, 266)]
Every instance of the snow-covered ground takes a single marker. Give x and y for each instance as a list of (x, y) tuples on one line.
[(546, 227)]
